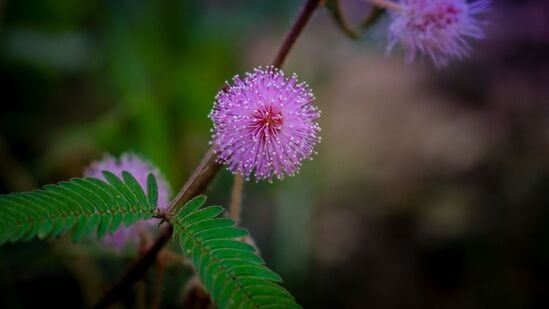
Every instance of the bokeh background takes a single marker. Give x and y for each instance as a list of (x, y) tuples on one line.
[(429, 190)]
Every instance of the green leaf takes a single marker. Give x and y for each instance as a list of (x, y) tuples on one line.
[(272, 299), (152, 190), (116, 222), (227, 244), (255, 271), (208, 224), (191, 206), (83, 206), (203, 214), (228, 253), (258, 287), (136, 189), (230, 269), (107, 192), (125, 193), (221, 233), (103, 226)]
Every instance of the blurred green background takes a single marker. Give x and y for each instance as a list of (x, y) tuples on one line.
[(429, 190)]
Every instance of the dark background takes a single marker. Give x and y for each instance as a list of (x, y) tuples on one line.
[(429, 190)]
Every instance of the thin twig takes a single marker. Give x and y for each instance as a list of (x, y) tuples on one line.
[(140, 295), (236, 198), (375, 14), (386, 4), (294, 32), (200, 178), (170, 258), (194, 295), (158, 285), (137, 270), (335, 8), (280, 57)]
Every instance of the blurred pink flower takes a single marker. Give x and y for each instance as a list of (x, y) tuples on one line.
[(265, 124), (140, 169), (436, 28)]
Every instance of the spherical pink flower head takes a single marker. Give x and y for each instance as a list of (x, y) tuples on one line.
[(436, 28), (265, 124), (140, 169)]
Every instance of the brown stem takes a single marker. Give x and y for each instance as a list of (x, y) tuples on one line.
[(294, 32), (198, 181), (194, 295), (236, 198), (200, 178), (386, 4), (158, 284), (339, 17), (287, 44), (137, 270), (140, 295), (375, 13)]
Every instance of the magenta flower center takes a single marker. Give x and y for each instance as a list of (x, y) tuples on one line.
[(441, 17), (266, 122)]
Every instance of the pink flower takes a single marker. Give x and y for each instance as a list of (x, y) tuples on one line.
[(140, 169), (265, 124), (436, 28)]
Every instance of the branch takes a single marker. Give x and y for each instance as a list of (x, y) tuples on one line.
[(288, 43), (294, 32), (201, 177), (199, 180), (236, 198), (387, 4), (137, 271), (158, 284)]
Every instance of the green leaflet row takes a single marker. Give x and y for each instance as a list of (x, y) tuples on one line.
[(230, 269), (81, 206)]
